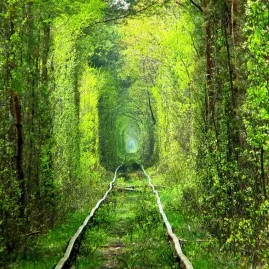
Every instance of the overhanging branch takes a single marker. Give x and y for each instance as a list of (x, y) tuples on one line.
[(197, 5), (130, 14)]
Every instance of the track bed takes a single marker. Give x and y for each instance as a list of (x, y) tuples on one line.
[(127, 231), (127, 228)]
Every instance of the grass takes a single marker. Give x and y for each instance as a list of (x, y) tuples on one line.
[(127, 232), (198, 245), (48, 248)]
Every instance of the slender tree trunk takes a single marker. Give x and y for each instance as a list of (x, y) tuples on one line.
[(16, 112), (19, 153), (45, 53), (263, 173), (209, 64)]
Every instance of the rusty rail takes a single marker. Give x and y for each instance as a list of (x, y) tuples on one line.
[(65, 259), (185, 262)]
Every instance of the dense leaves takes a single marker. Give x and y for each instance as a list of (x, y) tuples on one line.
[(182, 85)]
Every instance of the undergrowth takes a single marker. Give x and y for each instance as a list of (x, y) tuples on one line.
[(202, 249), (44, 250), (127, 231)]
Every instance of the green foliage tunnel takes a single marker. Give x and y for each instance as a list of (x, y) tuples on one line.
[(176, 85)]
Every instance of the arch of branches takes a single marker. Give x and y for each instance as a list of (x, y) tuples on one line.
[(126, 133)]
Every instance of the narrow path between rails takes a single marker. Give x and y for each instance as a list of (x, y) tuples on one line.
[(127, 231)]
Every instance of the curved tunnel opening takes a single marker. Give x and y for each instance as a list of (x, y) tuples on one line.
[(131, 142), (129, 136), (126, 135)]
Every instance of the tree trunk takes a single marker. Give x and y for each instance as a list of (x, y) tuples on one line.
[(209, 65), (19, 155)]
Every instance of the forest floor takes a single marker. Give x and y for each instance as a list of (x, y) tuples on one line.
[(201, 248), (127, 231)]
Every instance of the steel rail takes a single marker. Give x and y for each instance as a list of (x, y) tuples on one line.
[(186, 263), (63, 262)]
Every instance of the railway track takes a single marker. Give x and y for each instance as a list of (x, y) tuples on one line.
[(127, 228)]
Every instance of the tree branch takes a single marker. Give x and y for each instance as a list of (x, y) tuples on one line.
[(150, 108), (197, 5), (126, 15)]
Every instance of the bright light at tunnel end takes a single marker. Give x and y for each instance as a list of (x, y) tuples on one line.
[(131, 145)]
